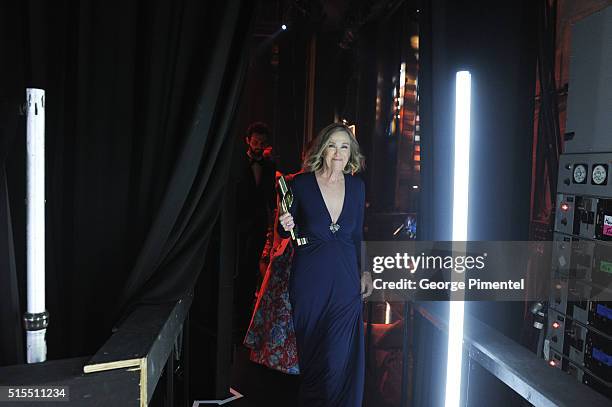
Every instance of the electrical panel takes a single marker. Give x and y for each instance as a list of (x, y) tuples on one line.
[(579, 329), (579, 321)]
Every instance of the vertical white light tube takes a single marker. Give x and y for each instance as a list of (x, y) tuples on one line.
[(462, 155), (36, 318), (460, 217)]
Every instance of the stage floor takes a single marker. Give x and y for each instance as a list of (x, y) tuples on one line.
[(260, 385)]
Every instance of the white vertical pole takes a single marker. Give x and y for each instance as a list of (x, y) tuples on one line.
[(36, 318), (460, 218)]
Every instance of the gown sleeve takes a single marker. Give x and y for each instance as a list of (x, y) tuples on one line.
[(358, 231)]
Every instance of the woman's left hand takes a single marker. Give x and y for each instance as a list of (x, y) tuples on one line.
[(366, 285)]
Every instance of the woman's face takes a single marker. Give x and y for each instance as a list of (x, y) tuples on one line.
[(337, 151)]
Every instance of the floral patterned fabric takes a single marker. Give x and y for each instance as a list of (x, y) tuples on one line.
[(270, 336)]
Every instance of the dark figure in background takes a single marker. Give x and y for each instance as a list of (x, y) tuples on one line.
[(326, 287), (256, 197)]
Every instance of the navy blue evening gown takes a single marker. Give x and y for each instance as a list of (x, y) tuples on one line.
[(325, 293)]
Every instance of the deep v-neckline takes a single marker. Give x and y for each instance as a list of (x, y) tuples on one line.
[(325, 204)]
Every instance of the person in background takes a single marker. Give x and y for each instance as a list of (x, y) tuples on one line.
[(256, 200)]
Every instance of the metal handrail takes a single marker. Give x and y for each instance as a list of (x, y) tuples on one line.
[(516, 366)]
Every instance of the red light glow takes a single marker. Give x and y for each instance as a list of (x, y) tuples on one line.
[(564, 207), (556, 325)]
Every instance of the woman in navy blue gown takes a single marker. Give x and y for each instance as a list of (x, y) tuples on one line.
[(326, 286)]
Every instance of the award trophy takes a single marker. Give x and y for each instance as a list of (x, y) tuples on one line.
[(286, 202)]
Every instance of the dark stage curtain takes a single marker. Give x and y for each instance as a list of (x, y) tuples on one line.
[(140, 96), (11, 337), (11, 308)]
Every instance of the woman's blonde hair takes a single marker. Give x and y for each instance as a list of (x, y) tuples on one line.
[(313, 160)]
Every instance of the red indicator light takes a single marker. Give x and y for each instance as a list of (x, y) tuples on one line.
[(556, 325), (564, 207), (552, 363)]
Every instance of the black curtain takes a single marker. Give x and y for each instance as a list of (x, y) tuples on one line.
[(11, 309), (11, 339), (140, 95)]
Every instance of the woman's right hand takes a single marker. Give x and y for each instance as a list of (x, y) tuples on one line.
[(286, 221)]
